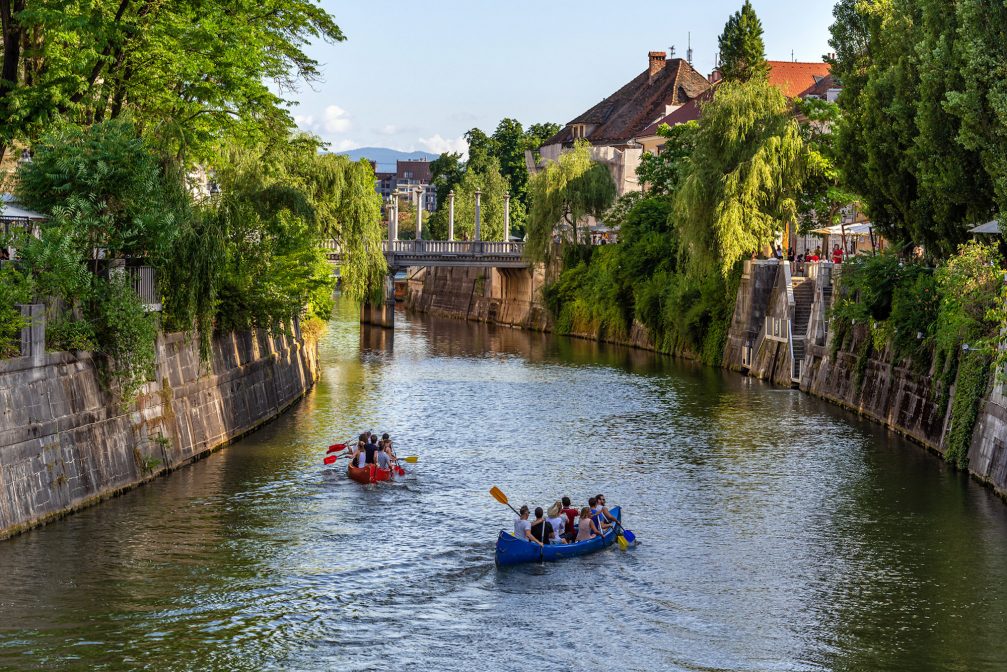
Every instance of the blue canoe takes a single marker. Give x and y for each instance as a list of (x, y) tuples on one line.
[(514, 551)]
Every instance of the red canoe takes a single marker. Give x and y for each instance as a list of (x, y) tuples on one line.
[(368, 474)]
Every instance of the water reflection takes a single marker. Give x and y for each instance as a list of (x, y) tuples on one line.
[(779, 533)]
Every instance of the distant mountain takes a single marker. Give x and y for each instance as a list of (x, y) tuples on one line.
[(386, 158)]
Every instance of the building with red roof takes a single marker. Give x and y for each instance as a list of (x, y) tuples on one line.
[(795, 80)]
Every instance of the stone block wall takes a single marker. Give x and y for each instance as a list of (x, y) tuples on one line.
[(509, 296), (65, 442)]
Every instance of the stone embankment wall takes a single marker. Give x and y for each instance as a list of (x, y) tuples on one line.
[(905, 399), (66, 443), (510, 297)]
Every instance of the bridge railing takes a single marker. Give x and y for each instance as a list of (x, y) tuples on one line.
[(441, 247)]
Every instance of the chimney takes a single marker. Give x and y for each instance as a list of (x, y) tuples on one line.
[(657, 62)]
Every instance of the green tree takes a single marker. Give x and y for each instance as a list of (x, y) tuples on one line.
[(482, 148), (744, 176), (824, 194), (446, 171), (107, 188), (108, 198), (662, 173), (901, 143), (187, 71), (979, 98), (742, 52), (563, 194), (492, 186)]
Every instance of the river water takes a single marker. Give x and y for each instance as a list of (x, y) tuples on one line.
[(776, 532)]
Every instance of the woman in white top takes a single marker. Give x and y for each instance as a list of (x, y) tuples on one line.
[(558, 522)]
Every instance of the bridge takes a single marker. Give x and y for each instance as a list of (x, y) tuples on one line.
[(444, 253)]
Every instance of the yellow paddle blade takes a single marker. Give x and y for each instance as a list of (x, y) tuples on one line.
[(412, 459), (499, 495), (621, 540)]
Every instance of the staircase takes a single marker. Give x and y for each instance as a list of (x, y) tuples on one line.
[(804, 297)]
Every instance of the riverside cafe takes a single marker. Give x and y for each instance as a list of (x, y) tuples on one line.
[(14, 218), (852, 239)]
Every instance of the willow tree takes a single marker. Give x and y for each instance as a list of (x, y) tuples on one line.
[(745, 170), (254, 257), (563, 195)]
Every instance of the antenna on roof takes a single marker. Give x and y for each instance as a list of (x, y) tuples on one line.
[(792, 56), (688, 53), (671, 52)]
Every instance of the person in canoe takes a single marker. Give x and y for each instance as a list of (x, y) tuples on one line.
[(558, 522), (361, 443), (570, 529), (522, 527), (586, 527), (540, 527), (607, 516), (386, 446), (366, 452), (596, 516)]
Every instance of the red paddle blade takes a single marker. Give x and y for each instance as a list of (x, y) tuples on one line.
[(330, 459), (335, 446), (400, 471)]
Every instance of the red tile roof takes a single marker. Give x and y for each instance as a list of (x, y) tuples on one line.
[(795, 78), (688, 112), (821, 88), (621, 116)]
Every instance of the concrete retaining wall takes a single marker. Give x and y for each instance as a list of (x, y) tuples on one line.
[(65, 443)]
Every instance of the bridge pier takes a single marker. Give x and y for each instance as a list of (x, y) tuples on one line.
[(381, 314)]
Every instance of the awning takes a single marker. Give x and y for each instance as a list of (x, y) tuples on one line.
[(862, 229), (988, 227), (9, 209)]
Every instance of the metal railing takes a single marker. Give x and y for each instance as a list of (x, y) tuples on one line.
[(440, 247), (143, 279)]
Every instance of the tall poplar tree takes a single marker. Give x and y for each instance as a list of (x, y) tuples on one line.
[(742, 51)]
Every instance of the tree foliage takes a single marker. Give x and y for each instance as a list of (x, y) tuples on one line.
[(742, 52), (563, 194), (188, 71), (662, 173), (902, 144), (744, 172), (493, 186)]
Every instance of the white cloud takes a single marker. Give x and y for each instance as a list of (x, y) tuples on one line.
[(305, 121), (337, 120), (440, 145)]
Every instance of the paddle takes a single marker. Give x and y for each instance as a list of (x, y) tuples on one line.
[(335, 448), (502, 498)]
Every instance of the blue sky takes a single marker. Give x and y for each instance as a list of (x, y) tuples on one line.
[(417, 75)]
